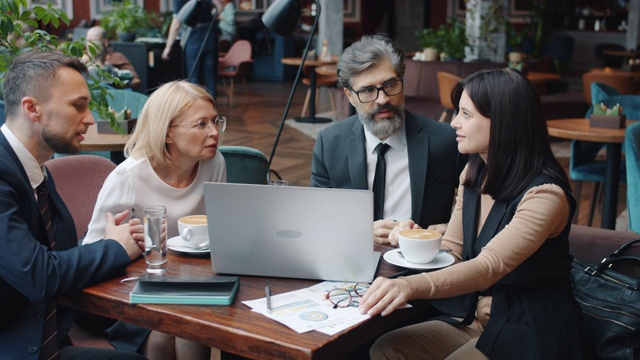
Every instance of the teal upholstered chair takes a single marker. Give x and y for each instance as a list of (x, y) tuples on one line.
[(600, 91), (127, 98), (245, 165), (583, 165), (632, 154)]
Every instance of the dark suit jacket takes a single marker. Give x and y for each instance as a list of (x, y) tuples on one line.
[(30, 274), (339, 161)]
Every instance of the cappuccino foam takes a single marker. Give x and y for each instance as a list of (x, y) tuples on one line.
[(194, 220), (420, 234)]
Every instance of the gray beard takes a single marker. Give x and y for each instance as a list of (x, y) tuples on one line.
[(384, 128)]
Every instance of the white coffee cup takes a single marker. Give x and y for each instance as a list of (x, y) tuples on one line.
[(419, 246), (194, 231)]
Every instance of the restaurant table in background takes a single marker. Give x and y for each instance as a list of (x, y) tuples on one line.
[(622, 53), (312, 64), (610, 70), (236, 328), (579, 129), (541, 79), (94, 141), (328, 70)]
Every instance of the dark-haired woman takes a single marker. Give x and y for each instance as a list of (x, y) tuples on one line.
[(509, 296)]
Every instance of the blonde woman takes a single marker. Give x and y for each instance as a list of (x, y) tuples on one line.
[(171, 153)]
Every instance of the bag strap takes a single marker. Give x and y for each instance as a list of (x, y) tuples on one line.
[(624, 248), (606, 263), (610, 260)]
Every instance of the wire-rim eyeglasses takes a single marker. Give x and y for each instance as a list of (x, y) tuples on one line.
[(204, 126), (345, 297)]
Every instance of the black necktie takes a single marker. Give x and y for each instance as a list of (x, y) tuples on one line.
[(378, 182), (49, 349)]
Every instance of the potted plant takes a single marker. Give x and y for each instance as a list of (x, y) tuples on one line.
[(453, 38), (514, 42), (607, 117), (14, 15), (125, 20), (429, 42)]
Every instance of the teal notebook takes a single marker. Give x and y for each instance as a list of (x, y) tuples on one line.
[(191, 290)]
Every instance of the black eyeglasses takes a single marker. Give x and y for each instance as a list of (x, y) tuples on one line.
[(370, 93), (204, 126), (345, 297)]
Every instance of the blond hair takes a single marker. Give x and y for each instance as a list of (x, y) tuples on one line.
[(168, 103)]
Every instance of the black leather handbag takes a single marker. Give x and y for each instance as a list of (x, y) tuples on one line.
[(610, 303)]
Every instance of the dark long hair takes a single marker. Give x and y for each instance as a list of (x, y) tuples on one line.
[(519, 147)]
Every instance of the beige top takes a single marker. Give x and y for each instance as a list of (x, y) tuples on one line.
[(542, 214)]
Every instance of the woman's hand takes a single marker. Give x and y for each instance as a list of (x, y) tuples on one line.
[(166, 53), (404, 225), (441, 228), (384, 296)]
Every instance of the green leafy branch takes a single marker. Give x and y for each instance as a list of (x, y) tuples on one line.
[(17, 35)]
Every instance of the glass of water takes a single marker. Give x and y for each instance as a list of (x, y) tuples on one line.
[(155, 238)]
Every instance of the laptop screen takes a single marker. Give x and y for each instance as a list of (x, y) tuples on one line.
[(288, 231)]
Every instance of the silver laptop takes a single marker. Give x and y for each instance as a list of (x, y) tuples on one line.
[(293, 232)]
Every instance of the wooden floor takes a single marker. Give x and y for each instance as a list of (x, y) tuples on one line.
[(254, 121)]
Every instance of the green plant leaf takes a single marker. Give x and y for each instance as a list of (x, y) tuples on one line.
[(14, 14)]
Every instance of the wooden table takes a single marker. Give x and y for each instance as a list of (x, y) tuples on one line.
[(541, 79), (312, 64), (617, 71), (622, 53), (327, 70), (579, 129), (235, 328), (93, 141)]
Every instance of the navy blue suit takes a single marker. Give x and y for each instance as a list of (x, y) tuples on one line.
[(340, 161), (30, 274)]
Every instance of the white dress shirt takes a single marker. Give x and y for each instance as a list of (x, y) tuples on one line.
[(397, 194), (35, 172)]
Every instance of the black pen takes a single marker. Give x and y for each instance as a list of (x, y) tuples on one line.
[(267, 292)]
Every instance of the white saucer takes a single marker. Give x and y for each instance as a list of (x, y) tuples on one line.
[(441, 260), (178, 245)]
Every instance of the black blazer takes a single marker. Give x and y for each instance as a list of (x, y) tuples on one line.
[(340, 161), (30, 274), (533, 311)]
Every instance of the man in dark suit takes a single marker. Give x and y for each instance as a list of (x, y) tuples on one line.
[(422, 161), (47, 111)]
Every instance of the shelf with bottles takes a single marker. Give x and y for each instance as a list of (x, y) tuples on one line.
[(609, 19), (598, 23)]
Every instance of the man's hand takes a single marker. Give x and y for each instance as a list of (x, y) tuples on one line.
[(403, 225), (130, 235), (381, 230)]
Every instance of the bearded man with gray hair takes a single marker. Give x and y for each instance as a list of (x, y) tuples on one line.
[(420, 163)]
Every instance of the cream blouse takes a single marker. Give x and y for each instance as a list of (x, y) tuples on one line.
[(134, 184)]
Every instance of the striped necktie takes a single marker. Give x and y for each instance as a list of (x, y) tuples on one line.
[(49, 349), (379, 181)]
